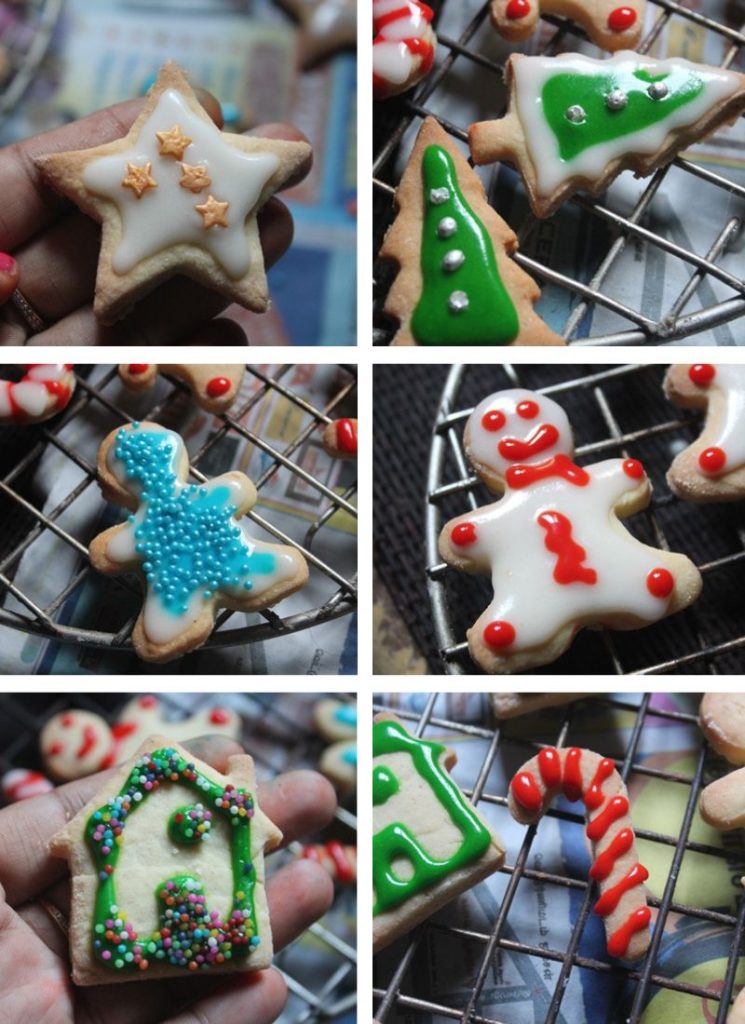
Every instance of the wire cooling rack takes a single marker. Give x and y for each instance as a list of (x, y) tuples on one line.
[(700, 267), (394, 993), (616, 411), (92, 400), (276, 734)]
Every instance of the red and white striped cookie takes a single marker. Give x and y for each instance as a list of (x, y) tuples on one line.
[(338, 860), (403, 45), (214, 386), (23, 783), (584, 775), (43, 391), (340, 439)]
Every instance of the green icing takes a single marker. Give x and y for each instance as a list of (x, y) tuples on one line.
[(601, 124), (490, 317), (188, 935), (397, 840)]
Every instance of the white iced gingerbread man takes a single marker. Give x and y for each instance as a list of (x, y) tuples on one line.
[(558, 556)]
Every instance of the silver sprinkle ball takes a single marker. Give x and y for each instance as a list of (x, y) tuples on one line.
[(658, 90), (616, 100), (438, 196), (453, 259), (576, 114), (446, 227), (457, 302)]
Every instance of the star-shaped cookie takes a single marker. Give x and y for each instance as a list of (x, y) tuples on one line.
[(326, 26), (176, 196)]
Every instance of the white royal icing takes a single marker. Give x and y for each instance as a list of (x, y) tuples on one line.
[(531, 74), (166, 215), (729, 381), (30, 394), (393, 61)]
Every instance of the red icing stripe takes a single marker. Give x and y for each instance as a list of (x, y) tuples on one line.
[(549, 765), (89, 742), (616, 808), (618, 943), (573, 774), (594, 794), (606, 861), (402, 12), (336, 852), (523, 476), (526, 791), (570, 555), (612, 897), (516, 450)]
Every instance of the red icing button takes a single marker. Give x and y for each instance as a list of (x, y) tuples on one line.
[(499, 634), (138, 368), (463, 534), (67, 720), (712, 460), (493, 420), (517, 9), (702, 374), (218, 716), (633, 468), (218, 386), (621, 19), (528, 410), (660, 583), (147, 702), (55, 749)]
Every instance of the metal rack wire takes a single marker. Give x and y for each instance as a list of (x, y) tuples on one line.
[(702, 267), (392, 992), (292, 745), (704, 637), (44, 621)]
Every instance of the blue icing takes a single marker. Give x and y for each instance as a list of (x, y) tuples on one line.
[(346, 714), (184, 534), (350, 756)]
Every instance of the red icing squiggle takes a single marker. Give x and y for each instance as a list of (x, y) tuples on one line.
[(518, 477), (570, 555), (416, 17)]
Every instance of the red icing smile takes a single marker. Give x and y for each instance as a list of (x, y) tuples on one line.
[(544, 436)]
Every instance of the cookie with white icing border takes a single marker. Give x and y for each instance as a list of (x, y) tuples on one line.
[(167, 803), (608, 25), (713, 467), (213, 385), (188, 542), (559, 557), (404, 45), (44, 390), (456, 284), (176, 196), (575, 123)]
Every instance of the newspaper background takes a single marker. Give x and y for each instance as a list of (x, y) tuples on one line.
[(685, 210), (289, 503), (519, 988)]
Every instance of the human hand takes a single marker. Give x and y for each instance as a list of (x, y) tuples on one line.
[(56, 247), (34, 963)]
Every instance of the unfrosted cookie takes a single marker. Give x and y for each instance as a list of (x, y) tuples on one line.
[(340, 439), (429, 843), (713, 467), (188, 542), (609, 25), (512, 705), (558, 555), (76, 743), (44, 390), (575, 123), (165, 859), (403, 45), (457, 284), (722, 803), (721, 717), (213, 385), (176, 196), (584, 775)]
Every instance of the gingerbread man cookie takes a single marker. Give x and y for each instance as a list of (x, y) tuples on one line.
[(403, 45), (167, 866), (575, 123), (340, 439), (214, 386), (188, 542), (44, 390), (713, 467), (607, 24), (555, 533), (584, 775), (176, 196)]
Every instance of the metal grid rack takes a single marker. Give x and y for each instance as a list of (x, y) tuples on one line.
[(648, 975), (672, 325), (332, 996), (43, 621), (704, 638)]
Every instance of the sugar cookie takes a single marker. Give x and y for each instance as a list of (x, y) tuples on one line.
[(213, 385), (512, 705), (721, 717), (23, 783), (340, 439), (339, 860), (403, 45), (44, 390), (76, 743), (608, 25)]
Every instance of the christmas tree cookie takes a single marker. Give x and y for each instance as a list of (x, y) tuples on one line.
[(607, 24), (555, 548), (576, 123), (457, 284)]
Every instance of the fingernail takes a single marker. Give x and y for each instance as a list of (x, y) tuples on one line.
[(7, 263)]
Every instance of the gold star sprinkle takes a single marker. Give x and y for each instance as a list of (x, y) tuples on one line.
[(173, 142), (194, 177), (139, 179), (213, 212)]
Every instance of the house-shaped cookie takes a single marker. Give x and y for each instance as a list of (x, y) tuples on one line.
[(167, 866)]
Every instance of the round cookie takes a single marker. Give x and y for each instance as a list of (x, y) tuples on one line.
[(76, 743)]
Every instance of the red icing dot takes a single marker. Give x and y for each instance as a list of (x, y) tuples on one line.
[(660, 583), (218, 716), (493, 420), (463, 534), (147, 702), (528, 410), (517, 9), (621, 19), (702, 374), (137, 368), (218, 386), (499, 634), (633, 468), (67, 721), (55, 749), (712, 460)]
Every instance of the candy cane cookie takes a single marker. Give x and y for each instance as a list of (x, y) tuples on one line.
[(214, 386), (584, 775), (338, 860), (23, 783), (43, 391), (403, 45)]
